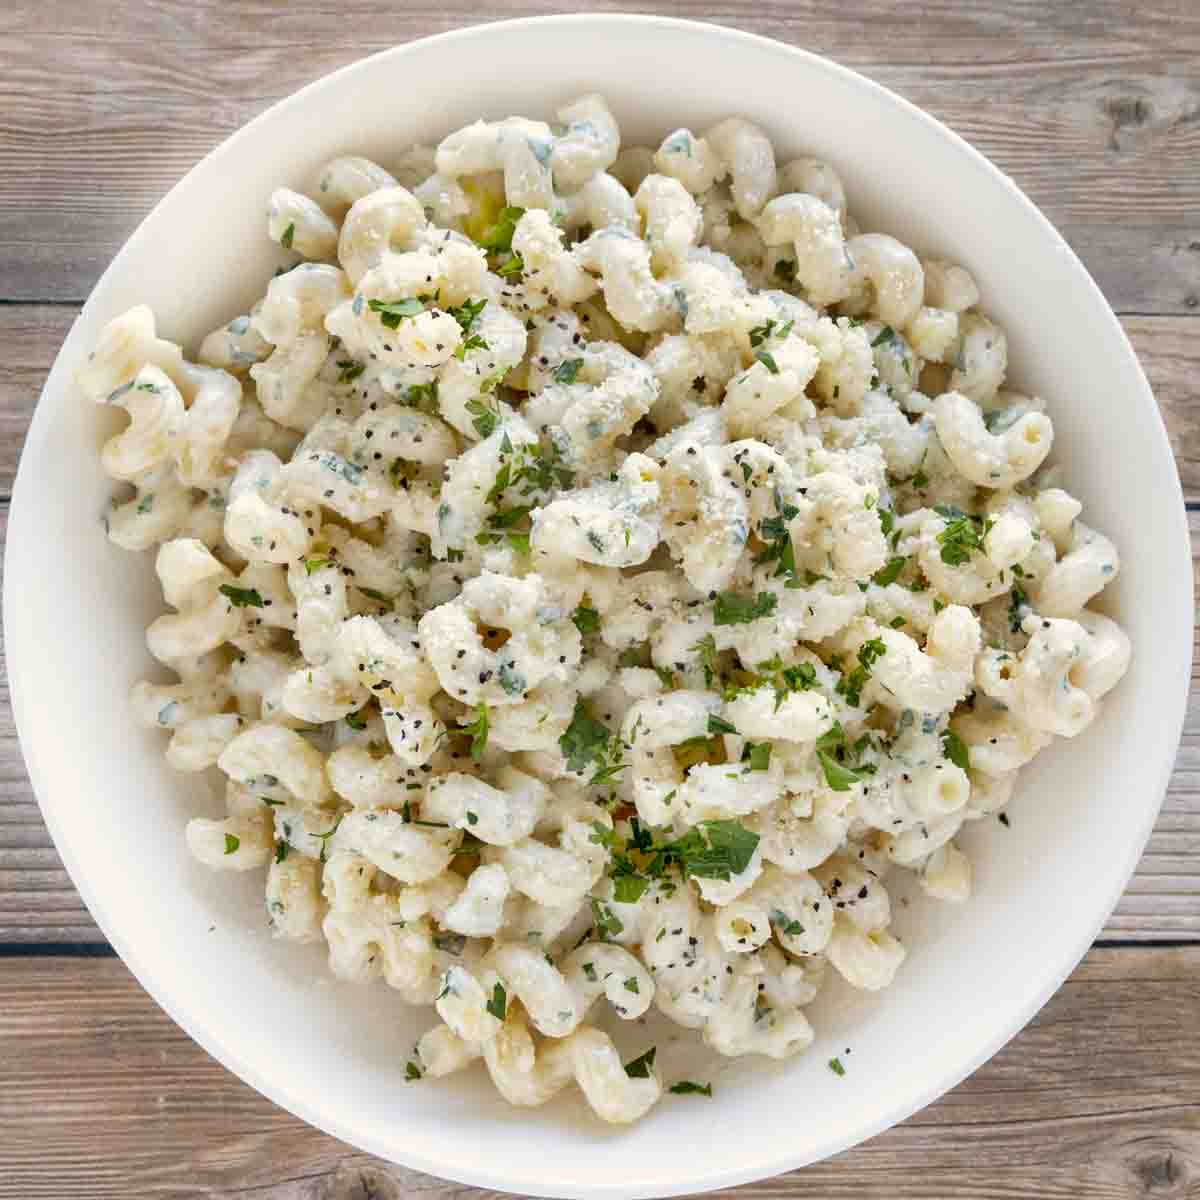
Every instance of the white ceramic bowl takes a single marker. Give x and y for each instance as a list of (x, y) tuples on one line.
[(76, 608)]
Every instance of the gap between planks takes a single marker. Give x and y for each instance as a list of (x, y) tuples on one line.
[(1092, 113), (1096, 1099)]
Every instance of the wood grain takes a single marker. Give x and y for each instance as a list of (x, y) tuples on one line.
[(1098, 1099), (1093, 111)]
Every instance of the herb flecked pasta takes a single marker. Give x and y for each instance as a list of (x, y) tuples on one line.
[(592, 570)]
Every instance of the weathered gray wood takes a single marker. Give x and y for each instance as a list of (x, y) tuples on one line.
[(1092, 109), (1099, 1099), (39, 904)]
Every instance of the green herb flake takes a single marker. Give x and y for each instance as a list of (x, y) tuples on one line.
[(478, 729), (356, 721), (890, 571), (629, 889), (608, 924), (497, 1005), (837, 776), (706, 648), (349, 370), (232, 843), (736, 608), (642, 1066), (720, 725), (955, 749), (835, 1065), (962, 536), (768, 361), (785, 924), (586, 620), (392, 312), (758, 755), (498, 237), (411, 1071), (685, 1087), (566, 371), (241, 597), (484, 417), (289, 236)]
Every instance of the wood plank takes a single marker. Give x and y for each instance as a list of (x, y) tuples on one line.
[(31, 334), (38, 903), (1096, 1100), (1094, 114)]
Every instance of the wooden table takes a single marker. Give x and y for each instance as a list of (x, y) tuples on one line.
[(1094, 109)]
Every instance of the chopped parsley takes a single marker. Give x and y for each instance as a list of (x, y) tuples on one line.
[(768, 360), (777, 541), (411, 1071), (835, 1065), (588, 743), (1018, 601), (484, 417), (289, 236), (736, 608), (706, 648), (497, 1004), (232, 843), (785, 924), (642, 1066), (685, 1087), (890, 571), (281, 850), (586, 620), (955, 749), (785, 680), (478, 729), (758, 755), (466, 314), (323, 838), (608, 924), (510, 264), (315, 564), (851, 684), (566, 371), (962, 536), (349, 370), (392, 312), (356, 720), (833, 754), (498, 237), (720, 725), (241, 597), (884, 336)]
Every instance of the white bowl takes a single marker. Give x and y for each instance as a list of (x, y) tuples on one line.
[(76, 608)]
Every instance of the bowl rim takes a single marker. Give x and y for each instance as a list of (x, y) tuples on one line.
[(195, 1023)]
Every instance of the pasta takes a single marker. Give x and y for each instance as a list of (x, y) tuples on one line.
[(593, 570)]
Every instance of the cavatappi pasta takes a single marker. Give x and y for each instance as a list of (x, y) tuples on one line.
[(593, 570)]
